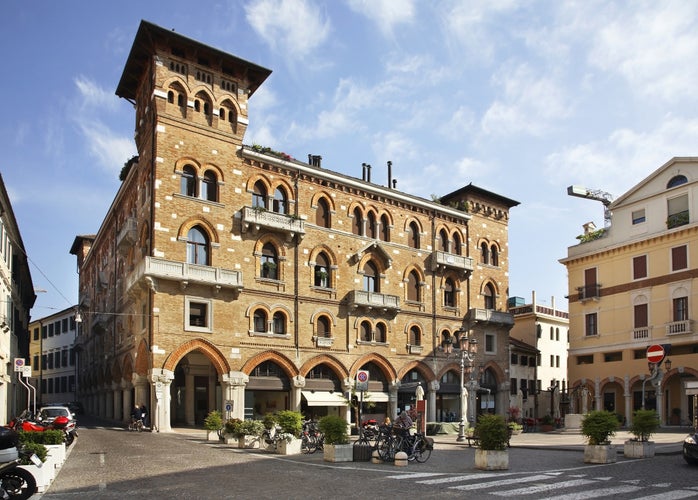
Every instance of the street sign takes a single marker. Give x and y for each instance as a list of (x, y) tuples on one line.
[(655, 353), (362, 380), (19, 364)]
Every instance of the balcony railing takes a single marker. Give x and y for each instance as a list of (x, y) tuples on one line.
[(450, 260), (373, 300), (184, 273), (490, 316), (128, 235), (254, 219), (677, 219), (679, 327), (589, 292), (641, 333)]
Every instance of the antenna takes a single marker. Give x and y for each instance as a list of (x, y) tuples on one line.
[(597, 195)]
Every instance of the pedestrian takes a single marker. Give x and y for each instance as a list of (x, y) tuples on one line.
[(144, 415), (403, 423), (135, 414)]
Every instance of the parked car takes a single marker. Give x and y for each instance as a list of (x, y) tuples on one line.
[(48, 413), (690, 448)]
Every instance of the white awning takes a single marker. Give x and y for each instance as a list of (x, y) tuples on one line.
[(377, 397), (324, 398)]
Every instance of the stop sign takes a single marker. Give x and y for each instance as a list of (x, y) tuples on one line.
[(655, 353)]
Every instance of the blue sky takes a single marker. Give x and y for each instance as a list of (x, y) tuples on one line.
[(521, 98)]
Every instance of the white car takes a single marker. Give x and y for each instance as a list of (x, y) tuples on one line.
[(49, 413)]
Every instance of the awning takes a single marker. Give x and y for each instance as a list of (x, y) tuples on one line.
[(377, 397), (324, 398)]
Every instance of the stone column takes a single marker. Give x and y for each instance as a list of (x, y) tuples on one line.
[(126, 402), (598, 397), (160, 414), (628, 400), (432, 389), (346, 387), (109, 402), (392, 399), (233, 388), (117, 388)]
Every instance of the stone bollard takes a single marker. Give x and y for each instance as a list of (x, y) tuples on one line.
[(376, 458), (401, 459)]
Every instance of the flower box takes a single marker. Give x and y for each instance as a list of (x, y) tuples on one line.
[(286, 447), (600, 454), (44, 476), (491, 459), (633, 448), (249, 442), (338, 453)]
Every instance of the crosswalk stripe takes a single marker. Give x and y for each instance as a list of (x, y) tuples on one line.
[(417, 475), (492, 484), (456, 479), (601, 492), (670, 495), (530, 490)]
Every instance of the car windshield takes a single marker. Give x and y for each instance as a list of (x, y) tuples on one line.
[(54, 412)]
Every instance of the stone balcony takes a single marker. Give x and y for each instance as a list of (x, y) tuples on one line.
[(128, 235), (679, 327), (151, 270), (255, 219), (451, 261), (371, 300), (489, 316)]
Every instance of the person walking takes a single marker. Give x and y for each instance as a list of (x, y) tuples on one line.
[(144, 415)]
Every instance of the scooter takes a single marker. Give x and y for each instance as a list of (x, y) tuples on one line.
[(25, 422), (15, 482)]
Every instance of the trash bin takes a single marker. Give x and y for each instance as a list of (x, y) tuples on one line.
[(362, 452)]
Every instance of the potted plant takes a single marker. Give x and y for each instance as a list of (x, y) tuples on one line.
[(269, 270), (336, 447), (645, 423), (515, 428), (493, 436), (599, 427), (547, 423), (291, 426), (213, 423)]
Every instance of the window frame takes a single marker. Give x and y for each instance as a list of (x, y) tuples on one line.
[(208, 314)]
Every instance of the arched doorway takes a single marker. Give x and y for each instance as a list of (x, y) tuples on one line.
[(195, 389), (267, 391), (448, 398), (322, 394), (487, 393)]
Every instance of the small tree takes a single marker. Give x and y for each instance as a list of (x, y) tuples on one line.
[(493, 432), (213, 421), (599, 426), (291, 422), (335, 429), (645, 423)]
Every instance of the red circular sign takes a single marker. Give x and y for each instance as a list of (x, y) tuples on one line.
[(655, 353), (362, 376)]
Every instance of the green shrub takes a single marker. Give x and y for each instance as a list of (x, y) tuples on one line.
[(241, 428), (42, 437), (645, 423), (335, 429), (599, 426), (232, 426), (37, 448), (291, 422), (269, 421), (213, 421), (492, 431)]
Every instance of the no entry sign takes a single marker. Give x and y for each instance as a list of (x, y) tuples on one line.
[(655, 353)]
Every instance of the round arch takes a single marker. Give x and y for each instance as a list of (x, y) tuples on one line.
[(207, 348), (278, 358)]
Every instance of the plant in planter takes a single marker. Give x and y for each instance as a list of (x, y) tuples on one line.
[(269, 270), (645, 423), (515, 428), (213, 423), (336, 447), (599, 427), (493, 435), (290, 428), (547, 423), (245, 432)]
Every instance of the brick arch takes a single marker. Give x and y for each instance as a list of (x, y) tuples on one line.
[(208, 349), (409, 221), (127, 367), (453, 366), (278, 358), (215, 168), (388, 215), (328, 199), (379, 259), (142, 364), (606, 382), (327, 250), (259, 177), (414, 267), (187, 160), (383, 363), (497, 370), (286, 186), (198, 221), (274, 240), (176, 81), (324, 359), (227, 99), (426, 372)]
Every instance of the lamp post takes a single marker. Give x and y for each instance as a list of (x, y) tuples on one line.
[(468, 350), (552, 388)]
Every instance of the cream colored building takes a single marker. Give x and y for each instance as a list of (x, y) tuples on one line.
[(237, 278), (631, 286)]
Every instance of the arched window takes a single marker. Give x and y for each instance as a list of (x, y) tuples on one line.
[(484, 253), (381, 333), (280, 204), (197, 246), (357, 222), (457, 244), (447, 341), (490, 297), (269, 267), (324, 327), (322, 271), (385, 228), (260, 321), (209, 187), (413, 287), (413, 235), (180, 100), (259, 195), (221, 114), (322, 213), (170, 97), (366, 333), (676, 181), (371, 278), (188, 181), (372, 227), (449, 293), (415, 336), (494, 256), (443, 241), (279, 323)]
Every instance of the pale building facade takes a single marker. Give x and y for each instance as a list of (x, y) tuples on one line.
[(238, 278), (631, 286)]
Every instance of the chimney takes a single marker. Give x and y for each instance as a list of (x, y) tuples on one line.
[(390, 173), (363, 173), (368, 173)]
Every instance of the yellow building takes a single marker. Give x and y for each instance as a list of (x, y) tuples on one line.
[(631, 286), (238, 278)]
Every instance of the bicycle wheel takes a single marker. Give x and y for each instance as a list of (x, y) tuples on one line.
[(422, 450), (139, 425), (386, 448)]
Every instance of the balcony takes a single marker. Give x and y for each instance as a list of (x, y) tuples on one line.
[(490, 316), (451, 261), (677, 219), (589, 292), (255, 219), (152, 269), (679, 327), (372, 300), (641, 333), (128, 235)]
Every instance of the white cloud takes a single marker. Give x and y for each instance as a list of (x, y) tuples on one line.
[(110, 150), (94, 97), (294, 27), (386, 14)]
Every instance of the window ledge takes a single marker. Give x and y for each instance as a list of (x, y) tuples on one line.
[(372, 342), (200, 200), (286, 336)]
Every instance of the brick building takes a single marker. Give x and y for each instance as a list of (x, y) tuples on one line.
[(238, 278)]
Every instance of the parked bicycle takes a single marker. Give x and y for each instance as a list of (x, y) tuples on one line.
[(418, 447), (136, 424), (312, 439), (273, 436)]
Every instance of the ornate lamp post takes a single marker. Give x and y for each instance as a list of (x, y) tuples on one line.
[(468, 350)]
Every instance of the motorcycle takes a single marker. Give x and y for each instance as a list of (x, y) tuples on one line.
[(26, 422), (15, 482)]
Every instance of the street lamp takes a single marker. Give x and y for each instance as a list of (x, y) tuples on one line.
[(468, 350), (554, 385)]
